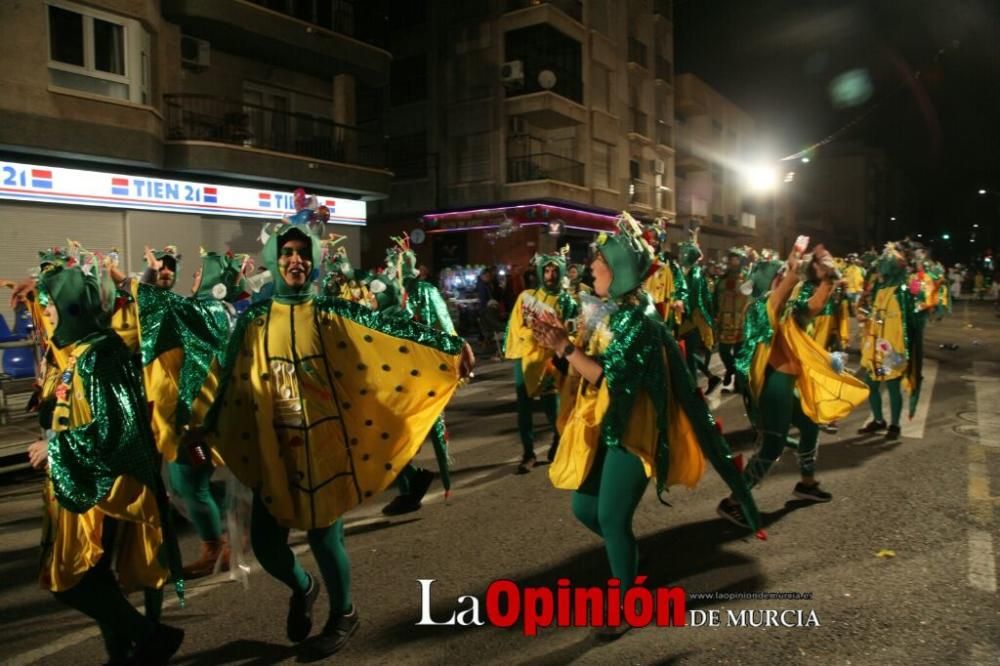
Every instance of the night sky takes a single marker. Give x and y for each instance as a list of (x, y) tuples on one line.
[(778, 58)]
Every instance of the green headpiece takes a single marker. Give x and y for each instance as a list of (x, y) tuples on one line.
[(335, 261), (690, 252), (540, 261), (763, 273), (83, 297), (388, 292), (628, 254), (170, 253), (222, 276), (401, 259), (892, 263), (274, 237), (54, 256)]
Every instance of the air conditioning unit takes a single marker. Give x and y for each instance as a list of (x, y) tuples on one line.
[(517, 127), (659, 167), (195, 52), (512, 73)]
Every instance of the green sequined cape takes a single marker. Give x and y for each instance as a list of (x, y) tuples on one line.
[(425, 303)]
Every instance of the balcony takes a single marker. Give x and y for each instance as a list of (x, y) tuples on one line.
[(664, 70), (637, 52), (665, 199), (547, 110), (690, 98), (544, 166), (664, 135), (210, 134), (343, 38), (640, 193), (572, 8), (638, 122)]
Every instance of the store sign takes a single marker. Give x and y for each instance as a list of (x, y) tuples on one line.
[(29, 182)]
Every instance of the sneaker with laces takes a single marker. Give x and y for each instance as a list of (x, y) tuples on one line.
[(732, 512), (413, 500), (812, 493), (337, 631), (872, 427), (299, 622)]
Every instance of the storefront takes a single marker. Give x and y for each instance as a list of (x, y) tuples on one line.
[(43, 206)]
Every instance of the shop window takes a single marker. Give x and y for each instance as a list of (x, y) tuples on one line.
[(98, 53)]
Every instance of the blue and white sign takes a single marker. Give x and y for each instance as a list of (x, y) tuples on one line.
[(31, 182)]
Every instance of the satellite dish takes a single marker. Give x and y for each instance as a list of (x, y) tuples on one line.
[(547, 79), (417, 236)]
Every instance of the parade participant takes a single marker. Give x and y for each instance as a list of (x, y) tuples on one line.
[(421, 302), (573, 282), (666, 286), (731, 305), (891, 350), (534, 376), (105, 504), (765, 269), (340, 400), (341, 280), (779, 360), (854, 275), (696, 330), (634, 411)]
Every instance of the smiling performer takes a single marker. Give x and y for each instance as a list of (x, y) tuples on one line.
[(635, 411), (323, 402), (534, 376)]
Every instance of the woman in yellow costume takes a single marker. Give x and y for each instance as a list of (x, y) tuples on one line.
[(779, 360), (634, 411), (892, 341), (666, 286), (323, 402), (340, 277), (104, 497)]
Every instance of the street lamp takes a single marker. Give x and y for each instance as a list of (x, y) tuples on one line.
[(761, 178), (892, 219), (981, 191), (945, 236)]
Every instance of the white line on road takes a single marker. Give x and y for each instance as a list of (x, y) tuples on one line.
[(915, 427), (987, 399), (982, 567)]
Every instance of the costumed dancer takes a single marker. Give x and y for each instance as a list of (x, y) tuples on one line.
[(341, 401), (534, 374), (340, 279), (697, 327), (854, 277), (731, 301), (421, 302), (573, 282), (105, 504), (779, 360), (666, 286), (891, 343), (634, 412)]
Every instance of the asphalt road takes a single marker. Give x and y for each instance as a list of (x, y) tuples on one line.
[(927, 504)]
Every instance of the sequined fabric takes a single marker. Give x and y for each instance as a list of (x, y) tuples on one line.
[(424, 302), (756, 330)]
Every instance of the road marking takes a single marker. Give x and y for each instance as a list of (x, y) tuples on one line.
[(914, 428), (982, 567), (987, 399), (982, 560)]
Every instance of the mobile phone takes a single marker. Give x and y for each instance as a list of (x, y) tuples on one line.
[(801, 243)]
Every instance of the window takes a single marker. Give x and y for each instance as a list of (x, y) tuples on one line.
[(603, 165), (98, 53), (633, 169)]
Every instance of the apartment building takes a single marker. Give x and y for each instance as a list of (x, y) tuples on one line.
[(542, 119), (127, 123), (715, 144)]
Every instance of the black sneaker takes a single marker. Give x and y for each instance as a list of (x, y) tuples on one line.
[(411, 501), (732, 512), (713, 383), (872, 427), (300, 622), (728, 383), (892, 434), (159, 647), (527, 464), (812, 493), (337, 631)]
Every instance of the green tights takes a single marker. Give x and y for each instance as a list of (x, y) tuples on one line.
[(192, 484), (895, 399), (270, 545), (525, 422), (779, 410), (606, 502)]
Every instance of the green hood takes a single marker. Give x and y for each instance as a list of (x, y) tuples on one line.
[(628, 260), (543, 260), (892, 264), (221, 277), (84, 301), (276, 238), (388, 293)]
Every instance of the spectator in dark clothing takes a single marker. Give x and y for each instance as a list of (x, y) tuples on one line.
[(485, 288)]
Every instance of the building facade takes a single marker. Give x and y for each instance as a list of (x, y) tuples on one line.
[(512, 114), (127, 123), (715, 143)]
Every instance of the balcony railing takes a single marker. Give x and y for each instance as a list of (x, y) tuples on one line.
[(640, 193), (638, 122), (544, 166), (572, 8), (637, 52), (664, 69), (227, 121)]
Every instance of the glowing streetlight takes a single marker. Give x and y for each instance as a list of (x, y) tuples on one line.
[(761, 178), (946, 236), (975, 226), (982, 191), (805, 160), (892, 219)]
